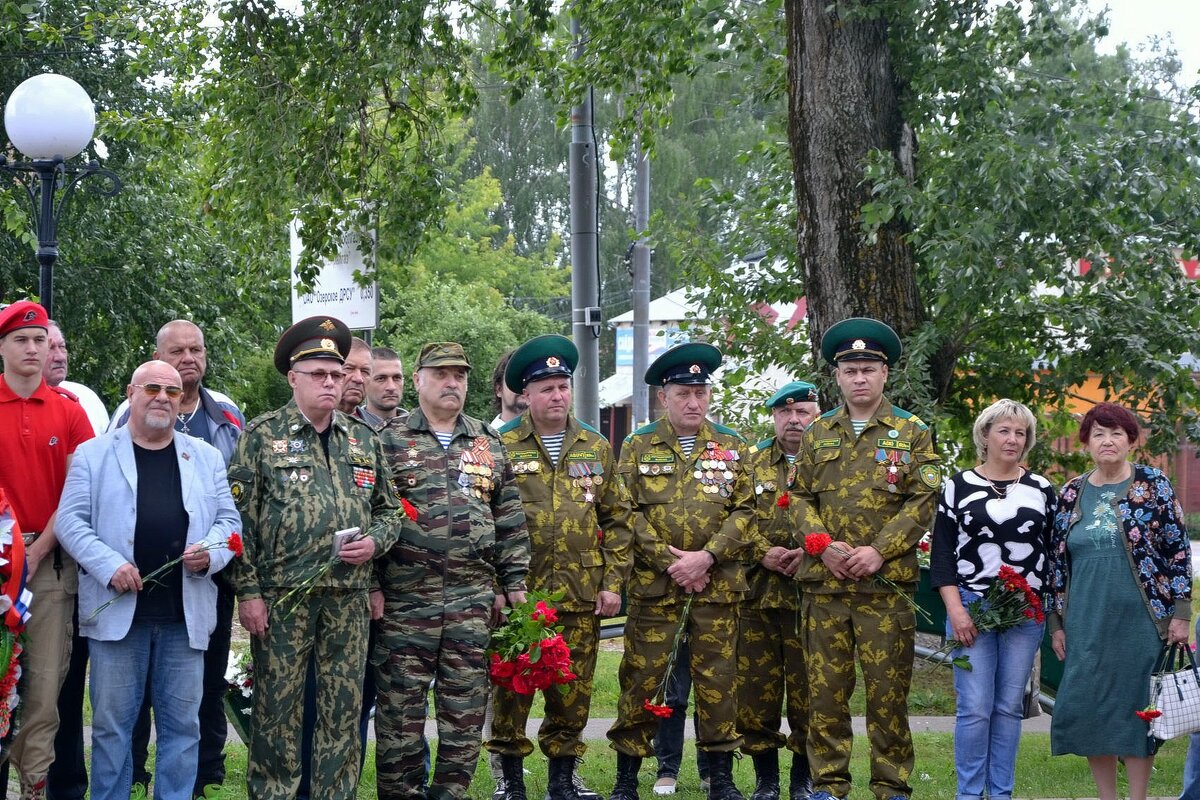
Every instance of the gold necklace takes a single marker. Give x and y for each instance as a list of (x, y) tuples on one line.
[(1001, 491)]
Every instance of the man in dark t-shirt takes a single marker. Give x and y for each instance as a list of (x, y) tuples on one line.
[(147, 603)]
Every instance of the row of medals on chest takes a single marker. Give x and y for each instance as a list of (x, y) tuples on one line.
[(585, 475), (714, 469), (474, 468)]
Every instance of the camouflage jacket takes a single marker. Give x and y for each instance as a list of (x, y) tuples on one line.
[(702, 501), (878, 489), (566, 506), (773, 477), (292, 501), (470, 534)]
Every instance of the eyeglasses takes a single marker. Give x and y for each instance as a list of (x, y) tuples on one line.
[(152, 389), (320, 376)]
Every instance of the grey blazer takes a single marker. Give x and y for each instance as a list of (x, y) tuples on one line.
[(95, 524)]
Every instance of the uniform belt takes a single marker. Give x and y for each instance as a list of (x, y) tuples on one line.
[(30, 538)]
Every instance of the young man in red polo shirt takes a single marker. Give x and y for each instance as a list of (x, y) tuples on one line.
[(40, 428)]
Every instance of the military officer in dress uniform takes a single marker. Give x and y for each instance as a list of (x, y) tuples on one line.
[(770, 658), (463, 561), (317, 505), (867, 474), (693, 515), (579, 529)]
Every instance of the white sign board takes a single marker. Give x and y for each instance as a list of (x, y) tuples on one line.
[(335, 292)]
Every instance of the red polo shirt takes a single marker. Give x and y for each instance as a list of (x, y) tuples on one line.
[(37, 436)]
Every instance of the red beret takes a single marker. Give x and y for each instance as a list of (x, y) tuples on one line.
[(23, 314)]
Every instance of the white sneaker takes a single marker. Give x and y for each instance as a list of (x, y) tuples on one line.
[(664, 785)]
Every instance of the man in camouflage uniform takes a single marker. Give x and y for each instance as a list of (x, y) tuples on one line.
[(868, 475), (439, 580), (567, 476), (770, 658), (299, 475), (694, 512)]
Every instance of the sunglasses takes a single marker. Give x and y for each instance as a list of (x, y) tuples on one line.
[(152, 389)]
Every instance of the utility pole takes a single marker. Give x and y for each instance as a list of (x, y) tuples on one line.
[(641, 290), (585, 261)]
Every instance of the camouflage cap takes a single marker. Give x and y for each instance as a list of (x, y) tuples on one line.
[(442, 354)]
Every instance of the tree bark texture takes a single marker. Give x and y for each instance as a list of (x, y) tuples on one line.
[(843, 101)]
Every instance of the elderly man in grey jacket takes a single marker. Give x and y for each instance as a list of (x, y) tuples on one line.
[(147, 513)]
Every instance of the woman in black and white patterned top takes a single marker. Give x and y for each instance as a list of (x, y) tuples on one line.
[(997, 514)]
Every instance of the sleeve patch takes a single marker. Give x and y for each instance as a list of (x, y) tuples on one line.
[(930, 476)]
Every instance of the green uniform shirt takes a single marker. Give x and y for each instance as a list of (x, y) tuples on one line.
[(772, 478), (578, 512), (699, 502), (470, 534), (843, 488), (292, 501)]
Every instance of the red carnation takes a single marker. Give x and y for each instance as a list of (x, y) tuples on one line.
[(658, 711), (1147, 714), (409, 509), (923, 546), (235, 544), (816, 543), (784, 500)]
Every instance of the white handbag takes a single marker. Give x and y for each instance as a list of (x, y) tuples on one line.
[(1175, 691)]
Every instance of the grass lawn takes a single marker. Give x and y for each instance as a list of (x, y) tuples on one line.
[(1038, 774)]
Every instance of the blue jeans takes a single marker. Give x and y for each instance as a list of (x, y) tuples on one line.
[(119, 673), (1191, 767), (668, 741), (987, 729)]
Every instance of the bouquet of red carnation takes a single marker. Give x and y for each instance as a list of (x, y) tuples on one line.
[(1008, 602), (528, 652), (657, 705), (817, 543)]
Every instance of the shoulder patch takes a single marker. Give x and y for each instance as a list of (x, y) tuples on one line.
[(510, 425), (930, 476)]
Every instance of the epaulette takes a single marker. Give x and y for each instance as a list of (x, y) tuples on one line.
[(831, 412), (67, 393), (897, 411), (261, 418), (728, 431), (587, 427), (642, 431), (765, 444), (510, 425)]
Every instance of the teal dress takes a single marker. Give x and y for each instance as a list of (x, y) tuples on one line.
[(1112, 642)]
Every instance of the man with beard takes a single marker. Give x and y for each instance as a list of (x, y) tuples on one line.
[(770, 657), (212, 416), (136, 500), (358, 372), (578, 516), (40, 429), (440, 581), (313, 489), (507, 403)]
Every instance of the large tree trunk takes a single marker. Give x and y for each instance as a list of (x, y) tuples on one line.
[(843, 102)]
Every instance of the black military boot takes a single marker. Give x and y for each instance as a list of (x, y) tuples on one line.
[(514, 777), (626, 787), (720, 777), (766, 775), (560, 780), (800, 786)]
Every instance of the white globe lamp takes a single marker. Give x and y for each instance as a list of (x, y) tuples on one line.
[(49, 117)]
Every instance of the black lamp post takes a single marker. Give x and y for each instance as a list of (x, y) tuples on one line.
[(50, 119)]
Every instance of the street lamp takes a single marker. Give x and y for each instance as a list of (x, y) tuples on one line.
[(50, 119)]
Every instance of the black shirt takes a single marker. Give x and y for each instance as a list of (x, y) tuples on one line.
[(160, 534)]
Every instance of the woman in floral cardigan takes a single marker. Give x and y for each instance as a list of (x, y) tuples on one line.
[(1120, 586)]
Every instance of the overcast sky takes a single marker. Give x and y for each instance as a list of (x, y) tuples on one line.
[(1135, 21)]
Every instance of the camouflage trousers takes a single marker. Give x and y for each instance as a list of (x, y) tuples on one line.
[(330, 625), (770, 666), (417, 644), (566, 713), (880, 628), (712, 630)]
